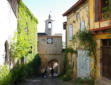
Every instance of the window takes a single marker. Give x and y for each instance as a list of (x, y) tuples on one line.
[(77, 16), (6, 52), (102, 9), (106, 42), (49, 25), (70, 32), (49, 40), (96, 10), (106, 9), (82, 26), (22, 60), (26, 30)]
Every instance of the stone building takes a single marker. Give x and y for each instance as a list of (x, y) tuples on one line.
[(93, 15), (77, 20), (50, 48), (100, 26)]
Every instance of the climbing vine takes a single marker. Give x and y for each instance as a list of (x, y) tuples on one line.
[(85, 40), (69, 50), (25, 40)]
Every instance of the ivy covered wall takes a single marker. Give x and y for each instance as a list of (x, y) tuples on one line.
[(27, 31)]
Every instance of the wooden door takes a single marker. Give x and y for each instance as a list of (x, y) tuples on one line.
[(106, 58)]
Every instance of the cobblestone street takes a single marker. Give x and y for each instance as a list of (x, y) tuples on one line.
[(45, 82)]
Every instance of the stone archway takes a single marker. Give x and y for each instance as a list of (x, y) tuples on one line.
[(54, 64), (46, 60)]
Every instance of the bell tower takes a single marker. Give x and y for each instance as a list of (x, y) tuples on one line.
[(48, 25)]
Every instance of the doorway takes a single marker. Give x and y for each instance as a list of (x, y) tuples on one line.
[(106, 58)]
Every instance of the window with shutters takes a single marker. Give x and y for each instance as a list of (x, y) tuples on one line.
[(106, 9), (96, 10), (102, 9), (70, 32)]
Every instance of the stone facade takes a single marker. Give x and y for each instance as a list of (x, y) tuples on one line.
[(100, 26), (101, 31), (50, 51), (75, 18), (50, 47), (48, 26)]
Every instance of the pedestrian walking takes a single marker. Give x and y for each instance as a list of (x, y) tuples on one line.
[(42, 72), (52, 72)]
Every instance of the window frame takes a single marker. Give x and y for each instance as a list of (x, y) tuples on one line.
[(49, 25), (81, 24), (51, 41), (99, 11), (70, 32)]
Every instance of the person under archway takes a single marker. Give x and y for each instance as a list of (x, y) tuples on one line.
[(52, 72)]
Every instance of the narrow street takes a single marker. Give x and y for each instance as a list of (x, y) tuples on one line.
[(44, 81)]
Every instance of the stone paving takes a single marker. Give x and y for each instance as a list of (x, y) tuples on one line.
[(47, 81)]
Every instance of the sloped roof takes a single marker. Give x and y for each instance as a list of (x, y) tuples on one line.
[(74, 7), (42, 34)]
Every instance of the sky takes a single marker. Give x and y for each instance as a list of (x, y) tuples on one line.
[(42, 8)]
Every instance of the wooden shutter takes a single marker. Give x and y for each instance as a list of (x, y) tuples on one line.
[(96, 10)]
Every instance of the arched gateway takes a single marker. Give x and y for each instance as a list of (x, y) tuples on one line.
[(50, 48)]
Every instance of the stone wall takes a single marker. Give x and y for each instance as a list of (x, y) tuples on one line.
[(51, 51), (54, 48)]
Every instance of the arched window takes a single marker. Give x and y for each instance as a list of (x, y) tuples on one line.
[(6, 51), (49, 25)]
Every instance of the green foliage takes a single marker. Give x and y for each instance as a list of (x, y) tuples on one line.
[(69, 50), (68, 75), (106, 11), (5, 76), (34, 66), (27, 27), (85, 40), (84, 81), (20, 48), (20, 72), (27, 11), (25, 40), (68, 70), (66, 64)]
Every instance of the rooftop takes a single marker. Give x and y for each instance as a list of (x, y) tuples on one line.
[(74, 7)]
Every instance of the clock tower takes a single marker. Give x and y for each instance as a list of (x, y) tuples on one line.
[(48, 26)]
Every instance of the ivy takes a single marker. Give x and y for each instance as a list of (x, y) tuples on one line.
[(85, 40), (25, 40), (20, 48), (69, 50)]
